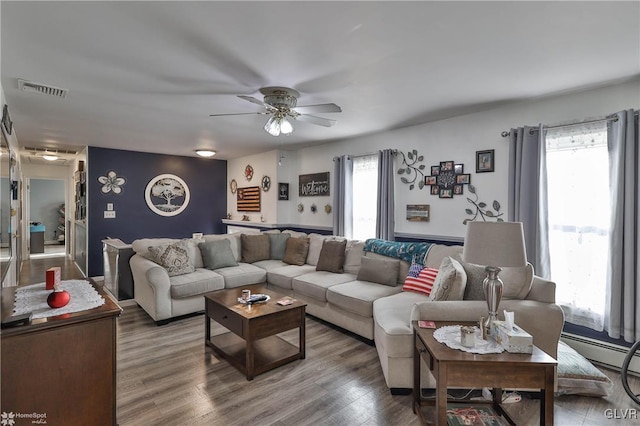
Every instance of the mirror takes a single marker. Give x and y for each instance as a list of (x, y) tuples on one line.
[(5, 207)]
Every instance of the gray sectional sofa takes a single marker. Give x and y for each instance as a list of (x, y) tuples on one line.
[(361, 292)]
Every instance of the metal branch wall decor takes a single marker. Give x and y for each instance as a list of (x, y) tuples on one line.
[(411, 170), (481, 209), (447, 179)]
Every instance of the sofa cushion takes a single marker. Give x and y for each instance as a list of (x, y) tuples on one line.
[(217, 254), (450, 281), (358, 296), (392, 315), (437, 253), (332, 256), (254, 247), (283, 277), (315, 284), (296, 251), (173, 257), (234, 240), (381, 271), (270, 264), (277, 245), (353, 256), (295, 234), (420, 279), (315, 247), (241, 275), (197, 282)]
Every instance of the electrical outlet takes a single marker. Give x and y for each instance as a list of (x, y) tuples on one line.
[(109, 214), (196, 235)]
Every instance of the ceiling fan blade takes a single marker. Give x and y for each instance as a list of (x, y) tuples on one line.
[(316, 120), (254, 100), (318, 108), (237, 113)]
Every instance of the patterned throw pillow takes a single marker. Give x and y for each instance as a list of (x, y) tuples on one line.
[(420, 279), (173, 257)]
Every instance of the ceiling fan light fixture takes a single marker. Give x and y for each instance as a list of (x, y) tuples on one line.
[(272, 126), (205, 153), (285, 127)]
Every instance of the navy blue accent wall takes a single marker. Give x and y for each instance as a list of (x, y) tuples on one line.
[(206, 179)]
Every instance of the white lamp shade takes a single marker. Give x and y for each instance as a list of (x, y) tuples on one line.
[(495, 244)]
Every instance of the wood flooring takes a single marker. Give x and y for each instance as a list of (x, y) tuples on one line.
[(167, 376)]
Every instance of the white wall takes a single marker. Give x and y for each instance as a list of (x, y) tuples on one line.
[(455, 139)]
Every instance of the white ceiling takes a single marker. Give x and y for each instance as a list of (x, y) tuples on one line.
[(145, 76)]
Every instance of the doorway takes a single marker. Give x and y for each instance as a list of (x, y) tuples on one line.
[(46, 207)]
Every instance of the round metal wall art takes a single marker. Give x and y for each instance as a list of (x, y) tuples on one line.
[(300, 208), (266, 183), (167, 195), (233, 186), (248, 172)]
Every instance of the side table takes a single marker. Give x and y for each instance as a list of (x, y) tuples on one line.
[(455, 368)]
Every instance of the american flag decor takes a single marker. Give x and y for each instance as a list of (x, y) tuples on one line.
[(420, 279)]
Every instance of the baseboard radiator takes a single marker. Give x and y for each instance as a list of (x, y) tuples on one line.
[(603, 353)]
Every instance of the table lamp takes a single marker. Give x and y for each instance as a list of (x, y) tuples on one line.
[(494, 245)]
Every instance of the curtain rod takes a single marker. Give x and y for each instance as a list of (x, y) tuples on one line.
[(607, 118), (395, 152)]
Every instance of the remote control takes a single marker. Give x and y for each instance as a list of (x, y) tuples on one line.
[(16, 320), (254, 299)]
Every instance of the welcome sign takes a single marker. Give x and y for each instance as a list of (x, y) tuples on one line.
[(314, 185)]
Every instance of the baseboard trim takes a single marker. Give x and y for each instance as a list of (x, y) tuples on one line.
[(606, 354)]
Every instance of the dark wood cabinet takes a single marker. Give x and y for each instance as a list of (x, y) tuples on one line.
[(62, 367)]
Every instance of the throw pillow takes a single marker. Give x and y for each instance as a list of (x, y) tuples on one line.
[(254, 247), (332, 256), (353, 255), (173, 257), (474, 290), (450, 281), (315, 246), (277, 245), (296, 251), (381, 271), (420, 279), (217, 254)]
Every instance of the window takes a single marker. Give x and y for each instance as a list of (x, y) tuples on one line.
[(365, 196), (579, 215)]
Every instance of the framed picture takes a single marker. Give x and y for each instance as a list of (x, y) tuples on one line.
[(458, 169), (435, 190), (446, 166), (435, 170), (283, 191), (418, 212), (446, 193), (485, 161), (430, 180), (463, 179), (458, 189)]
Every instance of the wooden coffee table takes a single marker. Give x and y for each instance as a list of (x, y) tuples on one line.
[(455, 368), (252, 345)]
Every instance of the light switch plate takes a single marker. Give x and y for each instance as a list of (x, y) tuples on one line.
[(109, 206)]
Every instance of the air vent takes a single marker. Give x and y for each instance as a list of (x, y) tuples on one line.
[(49, 150), (30, 86)]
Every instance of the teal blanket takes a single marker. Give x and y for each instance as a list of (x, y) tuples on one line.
[(399, 250)]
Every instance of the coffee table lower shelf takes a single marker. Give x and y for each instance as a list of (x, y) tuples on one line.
[(475, 412), (268, 353)]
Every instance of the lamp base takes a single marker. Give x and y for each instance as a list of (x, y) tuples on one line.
[(492, 286)]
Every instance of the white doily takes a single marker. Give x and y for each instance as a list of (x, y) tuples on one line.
[(450, 336), (33, 298)]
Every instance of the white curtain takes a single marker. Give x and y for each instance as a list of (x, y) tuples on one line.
[(343, 196), (365, 196), (578, 211)]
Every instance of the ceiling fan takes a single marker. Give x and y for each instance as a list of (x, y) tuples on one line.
[(281, 105)]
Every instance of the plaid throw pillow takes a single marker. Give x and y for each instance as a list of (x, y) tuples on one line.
[(420, 279)]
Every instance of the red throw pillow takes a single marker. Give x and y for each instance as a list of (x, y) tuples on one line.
[(422, 282)]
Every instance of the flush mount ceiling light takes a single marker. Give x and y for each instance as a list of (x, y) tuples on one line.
[(281, 105), (205, 152), (50, 157)]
